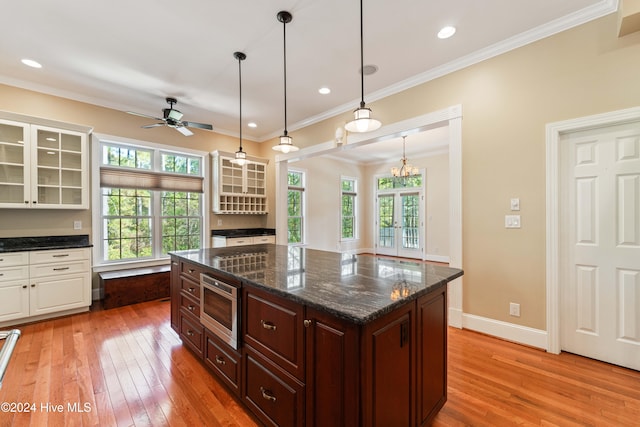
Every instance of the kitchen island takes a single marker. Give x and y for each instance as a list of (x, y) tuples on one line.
[(323, 338)]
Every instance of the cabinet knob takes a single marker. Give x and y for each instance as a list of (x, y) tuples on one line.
[(268, 325), (220, 360), (267, 394), (24, 286), (33, 285), (307, 323)]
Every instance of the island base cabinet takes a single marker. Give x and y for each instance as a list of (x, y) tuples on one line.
[(333, 371), (388, 370), (432, 351), (223, 362), (273, 395)]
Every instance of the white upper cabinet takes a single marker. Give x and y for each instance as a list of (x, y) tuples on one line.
[(42, 167), (239, 189)]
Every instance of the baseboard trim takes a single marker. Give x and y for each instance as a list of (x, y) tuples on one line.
[(95, 294), (505, 330), (455, 317)]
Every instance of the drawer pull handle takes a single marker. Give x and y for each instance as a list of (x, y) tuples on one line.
[(191, 271), (1, 259), (60, 268), (60, 255), (268, 325), (220, 360), (267, 394), (174, 263), (1, 274), (191, 307), (307, 323), (192, 290), (189, 332), (24, 286)]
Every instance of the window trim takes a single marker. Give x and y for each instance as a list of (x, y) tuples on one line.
[(355, 208), (301, 188), (97, 140)]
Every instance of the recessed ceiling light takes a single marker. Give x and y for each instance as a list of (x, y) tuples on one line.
[(324, 90), (252, 125), (31, 63), (367, 70), (446, 32)]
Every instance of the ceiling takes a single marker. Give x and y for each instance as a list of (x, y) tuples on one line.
[(131, 55)]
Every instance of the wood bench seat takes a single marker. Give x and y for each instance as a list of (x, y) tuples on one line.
[(134, 285)]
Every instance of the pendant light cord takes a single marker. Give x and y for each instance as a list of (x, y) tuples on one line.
[(361, 59), (240, 86), (284, 33)]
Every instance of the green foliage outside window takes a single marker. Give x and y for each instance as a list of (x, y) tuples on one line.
[(128, 157), (294, 212), (348, 214)]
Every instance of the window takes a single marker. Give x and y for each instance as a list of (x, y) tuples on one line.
[(150, 202), (348, 187), (295, 206)]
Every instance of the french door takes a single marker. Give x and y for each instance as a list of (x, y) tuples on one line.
[(399, 223)]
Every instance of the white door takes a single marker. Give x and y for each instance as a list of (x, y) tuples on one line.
[(600, 244), (399, 224)]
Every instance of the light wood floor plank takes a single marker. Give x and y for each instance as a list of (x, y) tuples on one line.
[(130, 367)]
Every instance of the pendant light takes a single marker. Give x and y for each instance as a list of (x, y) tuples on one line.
[(286, 142), (362, 122), (405, 170), (241, 156)]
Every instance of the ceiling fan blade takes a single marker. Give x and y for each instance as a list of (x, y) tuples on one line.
[(183, 130), (152, 126), (198, 125), (144, 115)]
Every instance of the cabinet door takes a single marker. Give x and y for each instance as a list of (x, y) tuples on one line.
[(14, 164), (332, 365), (431, 384), (389, 370), (224, 362), (48, 295), (14, 300), (58, 168)]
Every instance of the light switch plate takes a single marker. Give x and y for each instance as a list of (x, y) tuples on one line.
[(515, 204), (512, 221)]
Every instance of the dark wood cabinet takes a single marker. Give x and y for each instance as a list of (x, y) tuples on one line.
[(388, 369), (223, 361), (301, 366), (432, 355), (174, 292), (333, 371)]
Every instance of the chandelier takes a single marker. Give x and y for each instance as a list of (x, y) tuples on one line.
[(406, 170)]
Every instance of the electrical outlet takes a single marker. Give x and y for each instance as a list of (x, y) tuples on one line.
[(512, 221), (219, 222), (77, 225), (514, 309)]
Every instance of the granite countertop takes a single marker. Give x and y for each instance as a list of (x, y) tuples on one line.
[(358, 288), (243, 232), (21, 244)]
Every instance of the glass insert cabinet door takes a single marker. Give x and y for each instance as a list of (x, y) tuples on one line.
[(399, 224), (57, 172), (14, 163)]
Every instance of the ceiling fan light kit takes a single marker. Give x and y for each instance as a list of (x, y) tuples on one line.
[(286, 142), (362, 121), (172, 118)]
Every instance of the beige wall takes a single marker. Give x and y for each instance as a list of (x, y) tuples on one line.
[(506, 101), (34, 222)]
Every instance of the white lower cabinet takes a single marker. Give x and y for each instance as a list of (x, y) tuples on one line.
[(44, 284), (221, 242)]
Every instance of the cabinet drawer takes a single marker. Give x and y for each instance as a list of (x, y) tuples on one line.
[(223, 361), (264, 239), (46, 270), (14, 258), (239, 241), (191, 333), (59, 255), (274, 397), (188, 303), (190, 287), (191, 271), (14, 273), (274, 327)]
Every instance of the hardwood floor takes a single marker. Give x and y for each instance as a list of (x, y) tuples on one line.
[(126, 367)]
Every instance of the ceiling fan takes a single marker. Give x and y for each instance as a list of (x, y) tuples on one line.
[(172, 118)]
